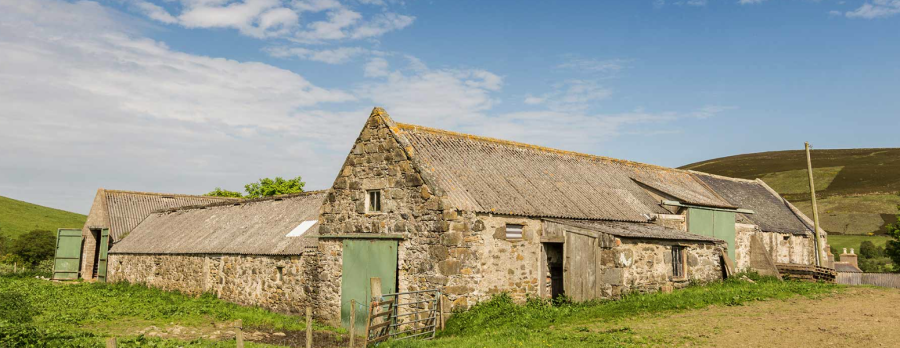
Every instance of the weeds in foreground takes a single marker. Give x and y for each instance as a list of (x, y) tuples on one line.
[(539, 323)]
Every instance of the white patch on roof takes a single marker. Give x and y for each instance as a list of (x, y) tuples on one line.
[(302, 228)]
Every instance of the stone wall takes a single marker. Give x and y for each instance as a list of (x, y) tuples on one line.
[(97, 218), (782, 247), (648, 265), (279, 283), (410, 209)]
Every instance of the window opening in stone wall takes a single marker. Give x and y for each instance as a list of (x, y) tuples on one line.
[(678, 262), (373, 205), (514, 231), (279, 273)]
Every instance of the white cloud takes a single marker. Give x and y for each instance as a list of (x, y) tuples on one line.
[(333, 56), (155, 12), (876, 9), (376, 67), (449, 97), (750, 2), (572, 95), (323, 20), (85, 102)]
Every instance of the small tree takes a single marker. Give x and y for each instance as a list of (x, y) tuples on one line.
[(34, 247), (868, 250), (892, 249), (219, 192), (268, 187)]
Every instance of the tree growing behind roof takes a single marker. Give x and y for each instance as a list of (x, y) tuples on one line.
[(265, 187), (219, 192)]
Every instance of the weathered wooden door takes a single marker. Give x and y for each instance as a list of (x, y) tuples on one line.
[(104, 254), (68, 254), (713, 223), (579, 266), (364, 259)]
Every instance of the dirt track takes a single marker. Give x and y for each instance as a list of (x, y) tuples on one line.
[(858, 317)]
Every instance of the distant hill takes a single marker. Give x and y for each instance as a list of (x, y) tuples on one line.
[(856, 189), (17, 217)]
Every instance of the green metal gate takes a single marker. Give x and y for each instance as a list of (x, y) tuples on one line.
[(714, 223), (104, 251), (68, 254), (364, 259)]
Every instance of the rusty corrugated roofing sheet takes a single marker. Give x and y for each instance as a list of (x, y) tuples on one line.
[(771, 212), (253, 227), (128, 208), (489, 175), (636, 230)]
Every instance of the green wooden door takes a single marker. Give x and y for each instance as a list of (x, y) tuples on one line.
[(364, 259), (104, 250), (713, 223), (68, 254)]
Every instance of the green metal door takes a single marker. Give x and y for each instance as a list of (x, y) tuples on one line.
[(104, 249), (713, 223), (723, 227), (68, 254), (364, 259)]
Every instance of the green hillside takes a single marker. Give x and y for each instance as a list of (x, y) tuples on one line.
[(17, 217), (857, 189)]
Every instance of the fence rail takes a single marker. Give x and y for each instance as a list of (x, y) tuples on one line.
[(889, 280)]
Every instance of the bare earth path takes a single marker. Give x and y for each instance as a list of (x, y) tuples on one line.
[(857, 317)]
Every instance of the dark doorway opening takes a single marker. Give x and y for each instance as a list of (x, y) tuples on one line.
[(554, 253), (96, 235)]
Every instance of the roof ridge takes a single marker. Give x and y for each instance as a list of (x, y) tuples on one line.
[(406, 126), (721, 176), (239, 202), (169, 194)]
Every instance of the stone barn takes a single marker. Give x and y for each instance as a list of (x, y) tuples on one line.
[(115, 213), (424, 208), (254, 252)]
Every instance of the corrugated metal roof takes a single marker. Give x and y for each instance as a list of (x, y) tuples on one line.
[(771, 212), (128, 208), (252, 227), (636, 230), (489, 175)]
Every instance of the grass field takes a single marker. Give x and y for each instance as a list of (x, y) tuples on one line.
[(501, 323), (17, 217), (44, 313), (857, 189), (845, 241)]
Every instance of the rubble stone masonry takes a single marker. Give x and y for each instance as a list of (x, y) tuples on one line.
[(279, 283)]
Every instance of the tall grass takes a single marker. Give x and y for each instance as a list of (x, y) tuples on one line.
[(500, 322)]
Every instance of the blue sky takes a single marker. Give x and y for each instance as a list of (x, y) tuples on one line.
[(185, 95)]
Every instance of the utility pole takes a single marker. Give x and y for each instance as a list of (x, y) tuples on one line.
[(812, 194)]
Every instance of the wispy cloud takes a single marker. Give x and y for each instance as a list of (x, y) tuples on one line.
[(876, 9), (750, 2), (330, 56), (279, 18)]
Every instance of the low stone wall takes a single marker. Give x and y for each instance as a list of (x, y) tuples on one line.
[(278, 283), (642, 266)]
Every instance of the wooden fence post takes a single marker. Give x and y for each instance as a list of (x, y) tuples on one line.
[(239, 334), (352, 321), (111, 342), (309, 330)]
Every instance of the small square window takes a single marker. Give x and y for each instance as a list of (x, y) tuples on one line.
[(678, 264), (513, 231), (373, 204)]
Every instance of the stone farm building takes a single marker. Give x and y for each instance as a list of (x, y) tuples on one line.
[(423, 208), (118, 212), (252, 252)]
